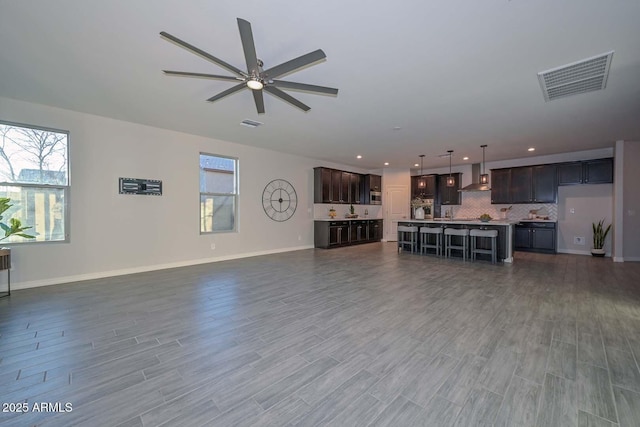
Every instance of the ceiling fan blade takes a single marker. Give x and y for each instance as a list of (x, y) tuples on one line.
[(246, 36), (286, 97), (295, 64), (203, 54), (201, 75), (228, 92), (259, 99), (305, 87)]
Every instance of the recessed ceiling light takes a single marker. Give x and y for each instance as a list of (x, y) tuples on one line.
[(386, 163), (531, 149), (415, 165), (397, 128), (465, 158), (358, 156)]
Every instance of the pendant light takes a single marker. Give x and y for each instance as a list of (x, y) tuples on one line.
[(484, 176), (422, 183), (450, 181)]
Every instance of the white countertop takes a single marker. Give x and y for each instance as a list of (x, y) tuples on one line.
[(346, 219), (462, 221), (445, 221)]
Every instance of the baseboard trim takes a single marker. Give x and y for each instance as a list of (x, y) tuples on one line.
[(576, 252), (146, 268), (573, 252), (631, 258)]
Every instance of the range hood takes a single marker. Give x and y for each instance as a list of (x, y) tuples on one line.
[(475, 179)]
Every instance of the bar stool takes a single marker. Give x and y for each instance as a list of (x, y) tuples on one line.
[(464, 234), (425, 232), (407, 235), (491, 234)]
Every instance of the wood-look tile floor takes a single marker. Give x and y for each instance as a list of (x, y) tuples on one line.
[(358, 336)]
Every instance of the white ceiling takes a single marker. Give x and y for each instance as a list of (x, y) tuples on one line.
[(450, 74)]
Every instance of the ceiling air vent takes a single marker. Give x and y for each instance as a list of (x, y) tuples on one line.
[(250, 123), (580, 77)]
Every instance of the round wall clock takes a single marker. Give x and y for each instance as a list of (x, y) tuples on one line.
[(279, 200)]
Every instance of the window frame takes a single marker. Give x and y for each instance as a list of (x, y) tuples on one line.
[(235, 194), (65, 188)]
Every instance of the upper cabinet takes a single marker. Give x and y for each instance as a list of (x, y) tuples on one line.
[(520, 190), (544, 186), (336, 186), (372, 189), (500, 186), (423, 186), (449, 195), (528, 184), (599, 171), (372, 183)]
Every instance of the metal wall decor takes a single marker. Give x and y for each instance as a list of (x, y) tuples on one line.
[(279, 200), (149, 187)]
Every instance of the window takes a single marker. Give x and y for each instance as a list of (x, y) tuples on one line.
[(34, 174), (218, 193)]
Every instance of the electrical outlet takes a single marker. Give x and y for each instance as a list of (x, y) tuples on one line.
[(572, 210), (578, 240), (299, 237), (213, 246)]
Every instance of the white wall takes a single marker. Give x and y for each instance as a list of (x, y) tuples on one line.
[(117, 234), (579, 206)]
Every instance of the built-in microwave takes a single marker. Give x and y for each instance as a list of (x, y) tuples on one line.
[(375, 197)]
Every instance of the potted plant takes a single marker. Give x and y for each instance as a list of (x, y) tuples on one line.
[(599, 235)]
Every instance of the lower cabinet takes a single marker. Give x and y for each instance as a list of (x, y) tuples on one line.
[(535, 237), (339, 233), (331, 234)]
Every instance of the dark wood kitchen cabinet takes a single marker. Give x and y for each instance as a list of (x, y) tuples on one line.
[(535, 237), (449, 195), (570, 173), (355, 188), (527, 184), (336, 186), (544, 186), (598, 171), (520, 189), (500, 186), (372, 183), (423, 186), (332, 234), (359, 231), (375, 230)]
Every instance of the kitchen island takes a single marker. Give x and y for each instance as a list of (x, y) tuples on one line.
[(505, 230)]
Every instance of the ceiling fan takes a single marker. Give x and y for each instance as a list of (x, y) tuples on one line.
[(255, 78)]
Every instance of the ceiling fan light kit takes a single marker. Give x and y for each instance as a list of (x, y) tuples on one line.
[(255, 84), (255, 78)]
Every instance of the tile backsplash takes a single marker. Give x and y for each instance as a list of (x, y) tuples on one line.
[(475, 203), (321, 210)]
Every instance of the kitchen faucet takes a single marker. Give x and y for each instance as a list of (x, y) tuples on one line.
[(448, 213)]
